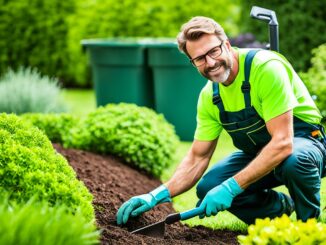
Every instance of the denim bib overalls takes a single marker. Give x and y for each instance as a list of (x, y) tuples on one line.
[(301, 172)]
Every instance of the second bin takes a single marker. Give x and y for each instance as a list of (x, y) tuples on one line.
[(177, 85)]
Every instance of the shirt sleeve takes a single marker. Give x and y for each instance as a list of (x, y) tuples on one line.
[(208, 127), (275, 90)]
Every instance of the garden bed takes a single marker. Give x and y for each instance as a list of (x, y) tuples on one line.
[(112, 182)]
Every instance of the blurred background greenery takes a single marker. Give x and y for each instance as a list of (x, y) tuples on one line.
[(46, 35)]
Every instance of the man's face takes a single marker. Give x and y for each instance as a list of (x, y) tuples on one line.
[(216, 69)]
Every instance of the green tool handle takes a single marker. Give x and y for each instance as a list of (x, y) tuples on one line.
[(183, 215)]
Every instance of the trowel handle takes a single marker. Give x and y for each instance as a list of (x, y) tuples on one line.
[(184, 215), (191, 213)]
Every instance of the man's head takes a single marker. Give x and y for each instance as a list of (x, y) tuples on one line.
[(204, 41)]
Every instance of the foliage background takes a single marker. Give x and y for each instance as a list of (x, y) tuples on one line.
[(46, 34), (301, 27)]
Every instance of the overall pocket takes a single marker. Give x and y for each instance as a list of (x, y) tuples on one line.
[(259, 136)]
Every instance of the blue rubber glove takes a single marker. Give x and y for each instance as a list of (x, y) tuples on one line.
[(220, 197), (140, 204)]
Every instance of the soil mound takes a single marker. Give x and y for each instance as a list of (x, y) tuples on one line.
[(112, 182)]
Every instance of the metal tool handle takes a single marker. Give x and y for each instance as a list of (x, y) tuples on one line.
[(268, 16)]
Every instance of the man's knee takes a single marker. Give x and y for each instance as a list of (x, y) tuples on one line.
[(207, 183), (297, 166), (201, 189)]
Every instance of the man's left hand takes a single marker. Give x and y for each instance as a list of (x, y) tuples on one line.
[(220, 197)]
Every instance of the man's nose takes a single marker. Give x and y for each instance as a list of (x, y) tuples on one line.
[(210, 61)]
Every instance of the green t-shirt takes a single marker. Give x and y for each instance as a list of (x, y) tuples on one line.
[(275, 89)]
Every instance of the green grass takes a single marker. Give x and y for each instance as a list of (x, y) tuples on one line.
[(82, 102), (79, 101)]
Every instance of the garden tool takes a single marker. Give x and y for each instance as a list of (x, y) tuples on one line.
[(268, 16), (158, 229)]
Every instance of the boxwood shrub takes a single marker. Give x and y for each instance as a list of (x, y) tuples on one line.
[(29, 166), (137, 134), (284, 231), (55, 126)]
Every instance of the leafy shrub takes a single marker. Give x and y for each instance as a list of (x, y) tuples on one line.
[(137, 134), (55, 126), (38, 224), (315, 77), (30, 166), (284, 231), (27, 91), (34, 33), (301, 24)]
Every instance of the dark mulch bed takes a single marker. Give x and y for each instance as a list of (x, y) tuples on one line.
[(112, 182)]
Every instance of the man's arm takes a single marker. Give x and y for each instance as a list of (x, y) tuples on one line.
[(191, 167), (280, 147)]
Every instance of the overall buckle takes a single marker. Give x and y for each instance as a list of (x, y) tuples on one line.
[(216, 99), (245, 87)]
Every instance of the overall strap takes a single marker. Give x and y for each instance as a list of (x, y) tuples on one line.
[(246, 84), (217, 98)]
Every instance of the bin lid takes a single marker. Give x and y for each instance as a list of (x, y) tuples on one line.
[(129, 42)]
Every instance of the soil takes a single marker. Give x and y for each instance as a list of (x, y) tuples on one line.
[(112, 182)]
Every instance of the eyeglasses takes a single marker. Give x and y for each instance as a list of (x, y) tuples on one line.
[(213, 53)]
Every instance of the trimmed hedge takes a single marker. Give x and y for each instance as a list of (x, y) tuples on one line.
[(137, 134), (301, 27), (55, 126), (29, 166)]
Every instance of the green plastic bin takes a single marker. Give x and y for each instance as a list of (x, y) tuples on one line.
[(177, 85), (119, 71)]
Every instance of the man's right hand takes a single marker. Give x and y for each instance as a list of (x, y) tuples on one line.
[(134, 207), (139, 204)]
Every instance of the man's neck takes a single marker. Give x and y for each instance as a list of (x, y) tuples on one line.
[(235, 68)]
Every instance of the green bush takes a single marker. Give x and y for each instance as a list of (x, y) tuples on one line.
[(34, 33), (301, 27), (27, 91), (315, 77), (38, 224), (55, 126), (29, 166), (284, 231), (137, 134)]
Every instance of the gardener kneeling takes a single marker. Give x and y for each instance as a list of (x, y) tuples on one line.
[(257, 97)]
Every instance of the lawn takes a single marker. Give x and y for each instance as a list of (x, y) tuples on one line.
[(82, 102)]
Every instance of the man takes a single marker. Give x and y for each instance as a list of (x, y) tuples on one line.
[(257, 97)]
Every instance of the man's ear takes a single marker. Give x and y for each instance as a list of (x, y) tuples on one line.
[(227, 44)]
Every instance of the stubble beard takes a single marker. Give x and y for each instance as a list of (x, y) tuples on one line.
[(221, 78)]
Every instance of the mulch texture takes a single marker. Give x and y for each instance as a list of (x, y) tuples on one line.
[(112, 182)]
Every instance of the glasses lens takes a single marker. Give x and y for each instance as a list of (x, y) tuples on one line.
[(214, 53), (199, 61)]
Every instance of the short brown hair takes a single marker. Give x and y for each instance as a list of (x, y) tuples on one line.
[(195, 28)]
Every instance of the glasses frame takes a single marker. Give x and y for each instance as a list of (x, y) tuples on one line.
[(192, 61)]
